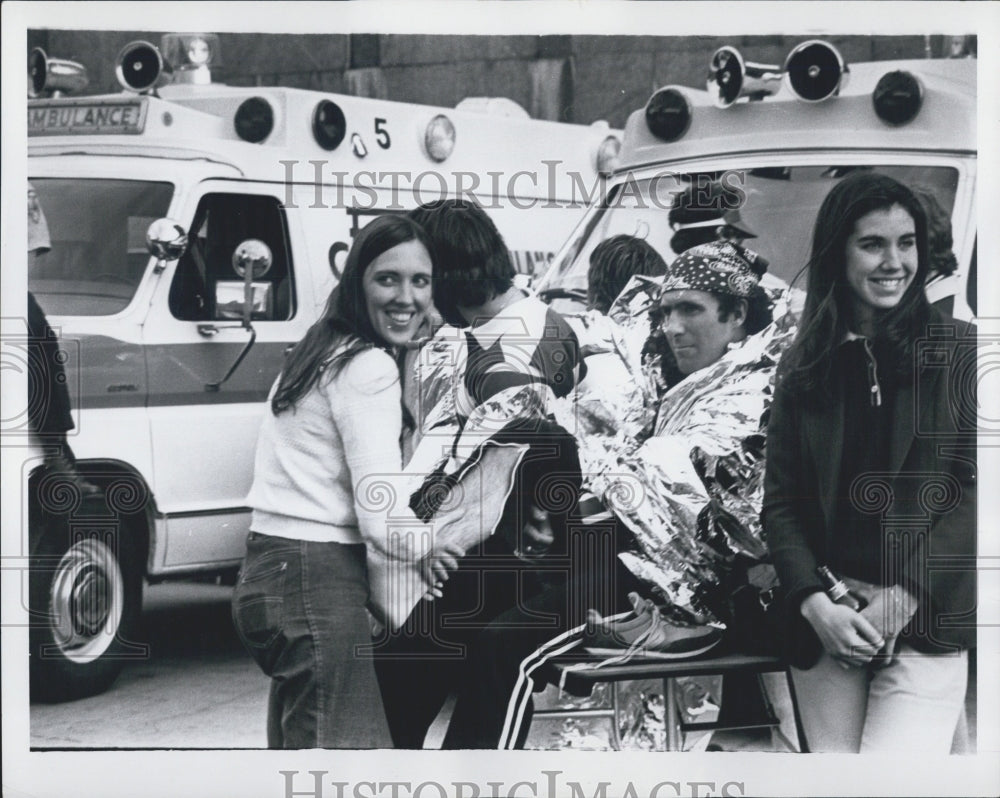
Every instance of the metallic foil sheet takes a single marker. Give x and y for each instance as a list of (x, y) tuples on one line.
[(683, 470), (436, 379), (640, 718)]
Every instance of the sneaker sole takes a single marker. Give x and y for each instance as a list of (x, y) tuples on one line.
[(645, 653)]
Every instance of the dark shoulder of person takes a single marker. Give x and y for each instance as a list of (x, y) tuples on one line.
[(941, 337)]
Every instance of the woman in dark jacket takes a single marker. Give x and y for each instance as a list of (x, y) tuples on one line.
[(871, 472)]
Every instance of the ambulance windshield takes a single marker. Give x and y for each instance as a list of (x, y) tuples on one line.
[(770, 210), (97, 234)]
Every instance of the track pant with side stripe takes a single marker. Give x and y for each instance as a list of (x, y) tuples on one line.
[(493, 707)]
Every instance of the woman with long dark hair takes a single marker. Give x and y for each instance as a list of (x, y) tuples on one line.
[(871, 474), (335, 419)]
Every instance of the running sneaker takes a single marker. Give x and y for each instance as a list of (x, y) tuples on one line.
[(646, 633)]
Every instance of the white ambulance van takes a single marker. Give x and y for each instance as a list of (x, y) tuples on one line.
[(172, 343), (769, 142)]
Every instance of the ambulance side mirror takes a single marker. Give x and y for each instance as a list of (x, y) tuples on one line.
[(251, 259), (166, 241)]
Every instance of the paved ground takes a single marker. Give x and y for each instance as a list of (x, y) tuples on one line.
[(199, 689)]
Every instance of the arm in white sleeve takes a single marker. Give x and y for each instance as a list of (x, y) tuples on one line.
[(365, 398)]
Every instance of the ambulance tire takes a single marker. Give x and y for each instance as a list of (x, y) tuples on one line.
[(85, 596)]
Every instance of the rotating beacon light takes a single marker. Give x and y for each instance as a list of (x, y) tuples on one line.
[(254, 119), (898, 97), (668, 113), (192, 56), (329, 125)]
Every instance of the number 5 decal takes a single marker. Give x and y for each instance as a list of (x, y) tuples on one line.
[(381, 134)]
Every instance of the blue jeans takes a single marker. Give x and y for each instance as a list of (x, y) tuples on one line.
[(299, 608)]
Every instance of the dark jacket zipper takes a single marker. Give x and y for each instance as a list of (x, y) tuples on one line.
[(876, 389)]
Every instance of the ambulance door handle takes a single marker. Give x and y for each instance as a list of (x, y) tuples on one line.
[(208, 330)]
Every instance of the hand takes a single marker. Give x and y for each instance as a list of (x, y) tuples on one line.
[(433, 592), (437, 566), (890, 609), (439, 563), (887, 654), (864, 590), (846, 635), (537, 534)]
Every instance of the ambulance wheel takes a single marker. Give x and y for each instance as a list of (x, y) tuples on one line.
[(85, 596)]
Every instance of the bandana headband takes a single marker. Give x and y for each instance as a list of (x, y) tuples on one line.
[(719, 267)]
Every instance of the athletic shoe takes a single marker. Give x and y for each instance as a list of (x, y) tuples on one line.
[(647, 633)]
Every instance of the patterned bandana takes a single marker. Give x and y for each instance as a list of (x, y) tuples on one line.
[(719, 267)]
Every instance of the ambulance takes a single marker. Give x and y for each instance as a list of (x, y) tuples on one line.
[(196, 232), (768, 142)]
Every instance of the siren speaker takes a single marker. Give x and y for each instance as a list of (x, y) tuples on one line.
[(141, 68), (815, 71), (730, 78), (53, 75)]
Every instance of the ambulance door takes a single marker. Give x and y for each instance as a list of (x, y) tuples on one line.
[(204, 433)]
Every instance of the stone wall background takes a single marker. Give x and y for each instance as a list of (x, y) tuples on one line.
[(568, 78)]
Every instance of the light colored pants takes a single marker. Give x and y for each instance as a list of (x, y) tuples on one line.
[(912, 706)]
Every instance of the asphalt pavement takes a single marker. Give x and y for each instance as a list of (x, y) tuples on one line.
[(198, 689)]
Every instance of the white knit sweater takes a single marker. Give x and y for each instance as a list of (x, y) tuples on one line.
[(311, 458)]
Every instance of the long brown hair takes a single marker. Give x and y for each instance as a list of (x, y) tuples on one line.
[(345, 319)]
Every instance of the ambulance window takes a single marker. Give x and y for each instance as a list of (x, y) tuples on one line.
[(771, 209), (97, 242), (206, 287)]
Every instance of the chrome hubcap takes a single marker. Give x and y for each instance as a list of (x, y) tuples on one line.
[(86, 600)]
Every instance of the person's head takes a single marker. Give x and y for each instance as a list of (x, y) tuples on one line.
[(706, 212), (869, 254), (710, 299), (471, 262), (385, 289), (613, 263), (381, 300), (866, 275)]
